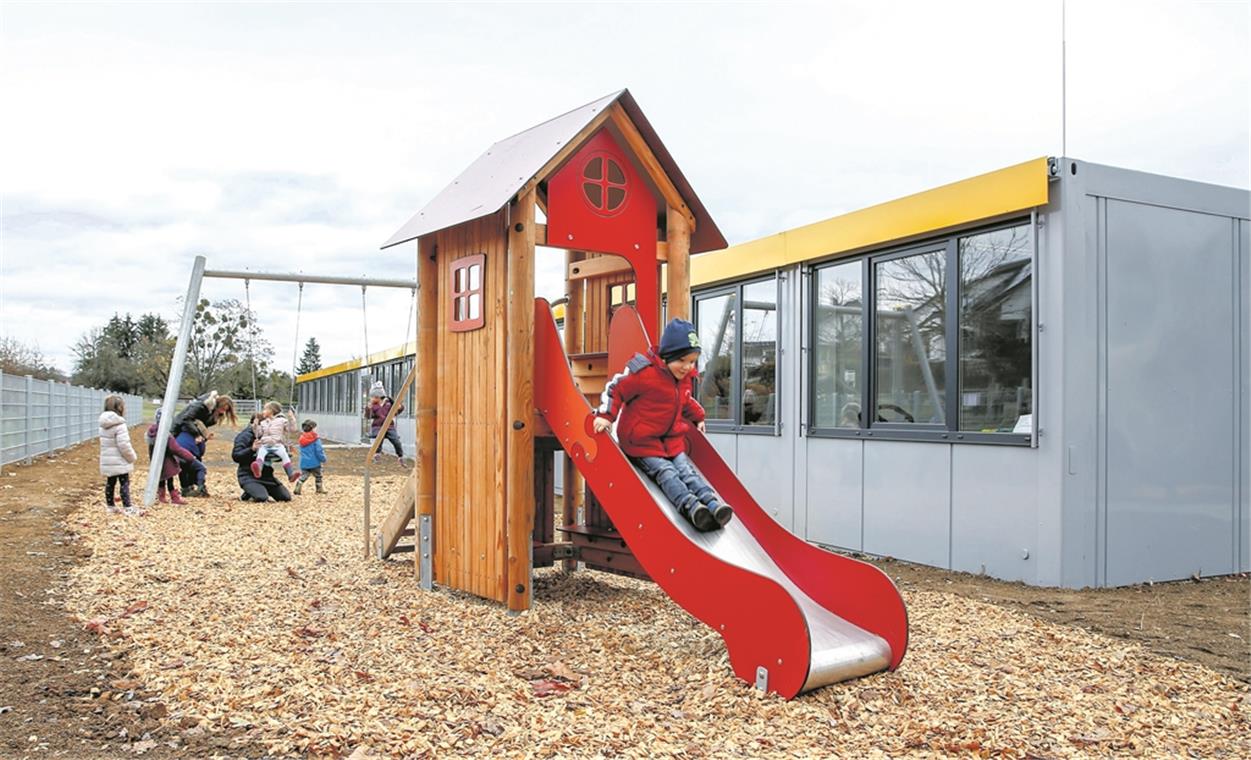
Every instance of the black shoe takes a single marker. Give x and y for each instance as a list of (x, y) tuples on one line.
[(188, 491), (723, 514), (702, 519), (245, 496)]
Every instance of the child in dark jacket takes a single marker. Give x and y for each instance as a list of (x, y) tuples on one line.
[(312, 456), (175, 455), (376, 412), (657, 392)]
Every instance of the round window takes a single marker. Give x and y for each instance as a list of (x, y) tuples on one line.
[(604, 185)]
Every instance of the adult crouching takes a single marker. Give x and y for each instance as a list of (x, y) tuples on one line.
[(264, 488), (190, 428)]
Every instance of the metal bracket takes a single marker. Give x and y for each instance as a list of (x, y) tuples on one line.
[(425, 549), (762, 678)]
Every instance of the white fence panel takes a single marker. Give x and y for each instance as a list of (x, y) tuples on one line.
[(41, 416)]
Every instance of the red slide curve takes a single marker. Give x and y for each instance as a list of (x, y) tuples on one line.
[(793, 616)]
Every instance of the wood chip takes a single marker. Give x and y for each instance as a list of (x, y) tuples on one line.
[(243, 628)]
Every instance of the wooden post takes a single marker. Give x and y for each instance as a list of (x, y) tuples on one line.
[(572, 484), (519, 475), (678, 277), (425, 362)]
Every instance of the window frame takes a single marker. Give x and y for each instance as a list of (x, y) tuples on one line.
[(949, 431), (465, 264), (735, 424)]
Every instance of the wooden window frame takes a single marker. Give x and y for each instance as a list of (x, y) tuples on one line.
[(465, 264)]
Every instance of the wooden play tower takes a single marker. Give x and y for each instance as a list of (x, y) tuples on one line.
[(627, 220)]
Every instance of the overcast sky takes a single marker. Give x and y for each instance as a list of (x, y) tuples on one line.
[(287, 137)]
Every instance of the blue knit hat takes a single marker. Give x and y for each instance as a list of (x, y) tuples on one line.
[(678, 340)]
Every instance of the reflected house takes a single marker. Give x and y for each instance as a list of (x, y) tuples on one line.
[(995, 348)]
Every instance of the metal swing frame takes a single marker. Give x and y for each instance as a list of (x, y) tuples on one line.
[(198, 273)]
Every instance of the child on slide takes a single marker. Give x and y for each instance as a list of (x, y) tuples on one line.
[(657, 393), (271, 435)]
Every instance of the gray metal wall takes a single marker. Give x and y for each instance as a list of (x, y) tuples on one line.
[(346, 428), (1140, 472), (41, 416), (1155, 389)]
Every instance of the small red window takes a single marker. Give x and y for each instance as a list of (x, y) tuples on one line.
[(467, 306)]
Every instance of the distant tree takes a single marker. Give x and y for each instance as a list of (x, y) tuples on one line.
[(227, 350), (310, 360), (125, 355), (99, 364), (18, 358)]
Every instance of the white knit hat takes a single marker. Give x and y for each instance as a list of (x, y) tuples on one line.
[(377, 391)]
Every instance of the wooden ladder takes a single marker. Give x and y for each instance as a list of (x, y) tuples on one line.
[(399, 523)]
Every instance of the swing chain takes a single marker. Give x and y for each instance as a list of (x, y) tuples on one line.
[(247, 291), (299, 307)]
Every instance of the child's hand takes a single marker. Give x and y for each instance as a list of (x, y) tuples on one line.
[(601, 425), (199, 439), (256, 445), (701, 427)]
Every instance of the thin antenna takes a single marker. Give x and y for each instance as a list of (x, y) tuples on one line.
[(1064, 121)]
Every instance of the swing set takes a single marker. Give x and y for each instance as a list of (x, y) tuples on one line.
[(178, 363)]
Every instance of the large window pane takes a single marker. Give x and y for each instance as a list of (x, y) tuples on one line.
[(717, 335), (760, 352), (911, 350), (838, 326), (995, 331)]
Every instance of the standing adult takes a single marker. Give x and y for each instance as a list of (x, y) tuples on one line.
[(376, 412), (264, 488), (190, 429)]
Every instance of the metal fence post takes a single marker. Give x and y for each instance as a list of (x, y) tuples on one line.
[(27, 436)]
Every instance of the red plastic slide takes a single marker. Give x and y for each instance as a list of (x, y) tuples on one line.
[(793, 617)]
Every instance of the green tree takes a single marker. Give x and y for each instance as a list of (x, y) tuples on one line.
[(18, 358), (310, 360), (98, 362), (226, 351), (125, 355)]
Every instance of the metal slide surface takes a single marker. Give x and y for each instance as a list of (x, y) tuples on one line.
[(793, 617)]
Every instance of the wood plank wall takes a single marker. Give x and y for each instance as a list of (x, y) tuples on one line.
[(597, 302), (470, 537)]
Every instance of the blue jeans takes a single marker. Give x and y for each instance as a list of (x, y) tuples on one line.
[(192, 472), (680, 482)]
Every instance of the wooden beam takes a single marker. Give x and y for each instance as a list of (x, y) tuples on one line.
[(540, 234), (597, 267), (426, 387), (651, 164), (519, 463), (573, 485), (678, 272)]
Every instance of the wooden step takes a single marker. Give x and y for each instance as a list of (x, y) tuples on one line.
[(589, 365)]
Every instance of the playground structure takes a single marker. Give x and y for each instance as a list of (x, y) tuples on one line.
[(499, 391)]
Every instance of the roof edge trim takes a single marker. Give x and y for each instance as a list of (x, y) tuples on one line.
[(1013, 188)]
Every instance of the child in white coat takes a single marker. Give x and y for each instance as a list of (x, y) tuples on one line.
[(117, 456)]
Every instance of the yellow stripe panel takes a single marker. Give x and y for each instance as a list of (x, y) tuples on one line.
[(1014, 188)]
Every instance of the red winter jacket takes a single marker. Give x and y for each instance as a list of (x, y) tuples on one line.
[(658, 407)]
